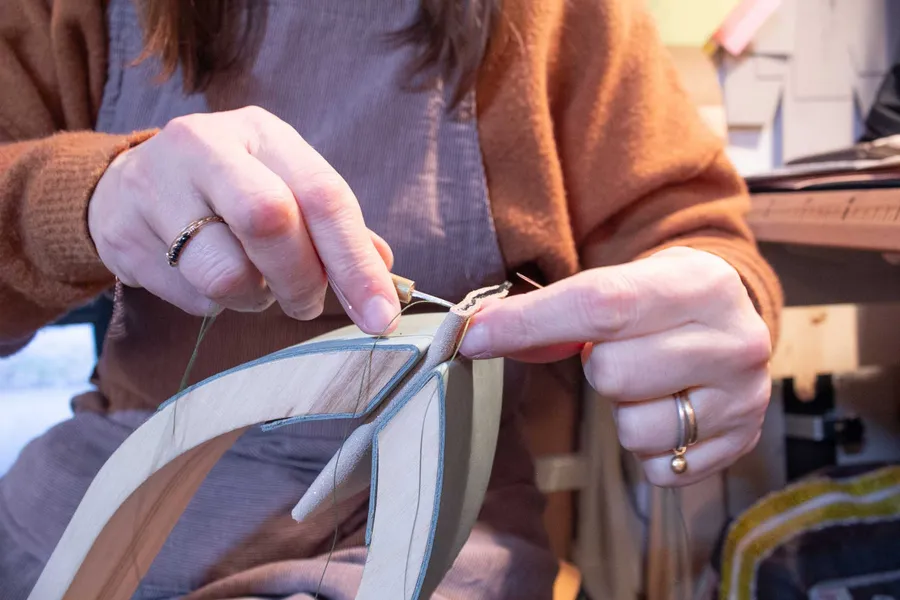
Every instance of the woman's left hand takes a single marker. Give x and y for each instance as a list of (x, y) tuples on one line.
[(679, 320)]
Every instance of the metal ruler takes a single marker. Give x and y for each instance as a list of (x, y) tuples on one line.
[(857, 219)]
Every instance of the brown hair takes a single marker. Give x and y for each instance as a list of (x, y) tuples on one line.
[(205, 37)]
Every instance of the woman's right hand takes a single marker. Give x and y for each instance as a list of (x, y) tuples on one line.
[(293, 223)]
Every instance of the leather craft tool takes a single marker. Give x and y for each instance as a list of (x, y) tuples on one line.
[(406, 290)]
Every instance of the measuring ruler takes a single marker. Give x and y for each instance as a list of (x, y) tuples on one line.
[(857, 219)]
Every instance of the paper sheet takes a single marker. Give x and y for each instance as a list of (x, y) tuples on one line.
[(820, 69), (689, 22), (866, 91), (813, 126), (750, 101), (871, 33), (738, 30), (776, 36), (822, 62), (771, 67)]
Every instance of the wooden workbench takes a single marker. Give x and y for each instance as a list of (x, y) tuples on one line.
[(837, 254)]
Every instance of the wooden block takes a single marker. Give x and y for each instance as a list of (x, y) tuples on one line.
[(837, 338)]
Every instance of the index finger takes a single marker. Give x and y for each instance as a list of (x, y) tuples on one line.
[(603, 304), (336, 226)]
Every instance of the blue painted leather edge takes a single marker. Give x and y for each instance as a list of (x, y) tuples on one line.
[(316, 348), (381, 421), (376, 400)]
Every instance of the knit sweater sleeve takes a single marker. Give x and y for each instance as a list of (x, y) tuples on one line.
[(52, 66), (641, 169)]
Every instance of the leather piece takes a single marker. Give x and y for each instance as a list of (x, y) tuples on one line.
[(352, 463)]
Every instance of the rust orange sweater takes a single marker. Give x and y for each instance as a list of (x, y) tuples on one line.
[(593, 152)]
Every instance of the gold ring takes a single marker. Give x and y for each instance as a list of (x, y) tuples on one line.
[(687, 432), (185, 236)]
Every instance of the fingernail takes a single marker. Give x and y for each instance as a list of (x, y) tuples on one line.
[(378, 314), (476, 343)]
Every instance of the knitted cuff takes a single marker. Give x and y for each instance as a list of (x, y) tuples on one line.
[(54, 219)]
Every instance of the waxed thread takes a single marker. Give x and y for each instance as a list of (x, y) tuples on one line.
[(418, 494), (205, 325), (421, 450), (677, 533), (366, 375), (671, 500)]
